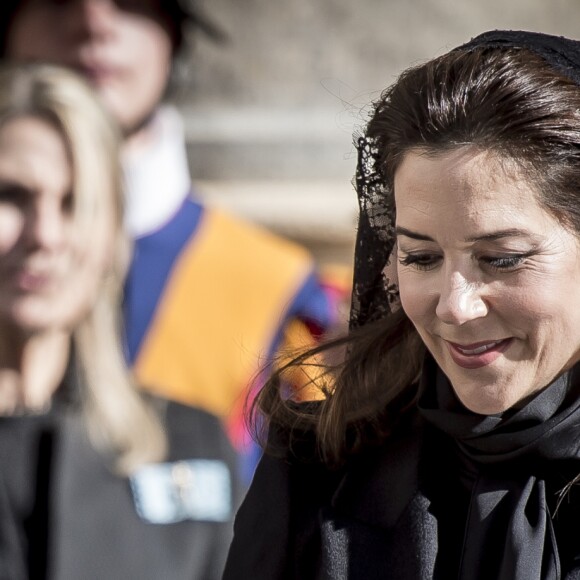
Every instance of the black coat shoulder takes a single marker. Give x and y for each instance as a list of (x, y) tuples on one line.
[(275, 531), (195, 431), (298, 512)]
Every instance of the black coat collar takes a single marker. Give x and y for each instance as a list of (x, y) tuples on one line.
[(378, 486)]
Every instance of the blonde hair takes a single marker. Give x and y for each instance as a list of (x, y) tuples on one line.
[(118, 419)]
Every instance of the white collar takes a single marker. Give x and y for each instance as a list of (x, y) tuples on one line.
[(157, 179)]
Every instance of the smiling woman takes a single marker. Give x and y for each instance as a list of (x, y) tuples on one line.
[(49, 271), (486, 275), (447, 442), (97, 480), (62, 249)]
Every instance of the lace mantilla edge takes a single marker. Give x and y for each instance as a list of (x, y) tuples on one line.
[(373, 292)]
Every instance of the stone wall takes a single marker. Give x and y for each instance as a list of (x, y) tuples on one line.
[(270, 114)]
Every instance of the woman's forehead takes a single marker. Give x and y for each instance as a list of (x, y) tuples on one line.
[(34, 153), (466, 191)]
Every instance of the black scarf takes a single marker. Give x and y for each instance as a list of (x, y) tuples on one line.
[(512, 457)]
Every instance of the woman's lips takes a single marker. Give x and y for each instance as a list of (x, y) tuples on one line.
[(476, 355), (97, 71), (97, 74), (28, 281)]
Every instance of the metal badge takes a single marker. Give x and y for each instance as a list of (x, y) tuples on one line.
[(195, 489)]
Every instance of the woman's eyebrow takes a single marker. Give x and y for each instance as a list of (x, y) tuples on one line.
[(14, 186), (400, 231), (489, 237), (507, 233)]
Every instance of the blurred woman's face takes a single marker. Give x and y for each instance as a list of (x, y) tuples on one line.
[(489, 278), (123, 48), (49, 270)]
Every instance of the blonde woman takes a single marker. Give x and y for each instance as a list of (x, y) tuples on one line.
[(96, 481)]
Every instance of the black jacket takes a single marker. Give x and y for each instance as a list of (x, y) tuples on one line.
[(65, 516), (398, 511), (302, 521)]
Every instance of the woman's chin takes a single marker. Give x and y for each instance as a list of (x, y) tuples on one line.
[(485, 406), (36, 318), (491, 399)]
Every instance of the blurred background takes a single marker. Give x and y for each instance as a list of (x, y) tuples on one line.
[(270, 114)]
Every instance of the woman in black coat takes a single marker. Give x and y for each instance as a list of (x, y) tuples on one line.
[(446, 445), (96, 481)]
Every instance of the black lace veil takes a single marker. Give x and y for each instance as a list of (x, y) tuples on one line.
[(374, 290)]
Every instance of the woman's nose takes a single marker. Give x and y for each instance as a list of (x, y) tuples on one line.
[(460, 300), (94, 18), (45, 228)]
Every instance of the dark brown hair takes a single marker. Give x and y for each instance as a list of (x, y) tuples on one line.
[(506, 101)]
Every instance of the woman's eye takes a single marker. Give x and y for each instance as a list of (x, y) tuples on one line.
[(505, 262), (13, 195), (68, 204), (420, 261)]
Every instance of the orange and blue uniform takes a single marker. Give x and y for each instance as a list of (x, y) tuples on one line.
[(208, 300)]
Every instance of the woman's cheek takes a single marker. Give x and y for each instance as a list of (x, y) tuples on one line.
[(415, 300), (11, 224)]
